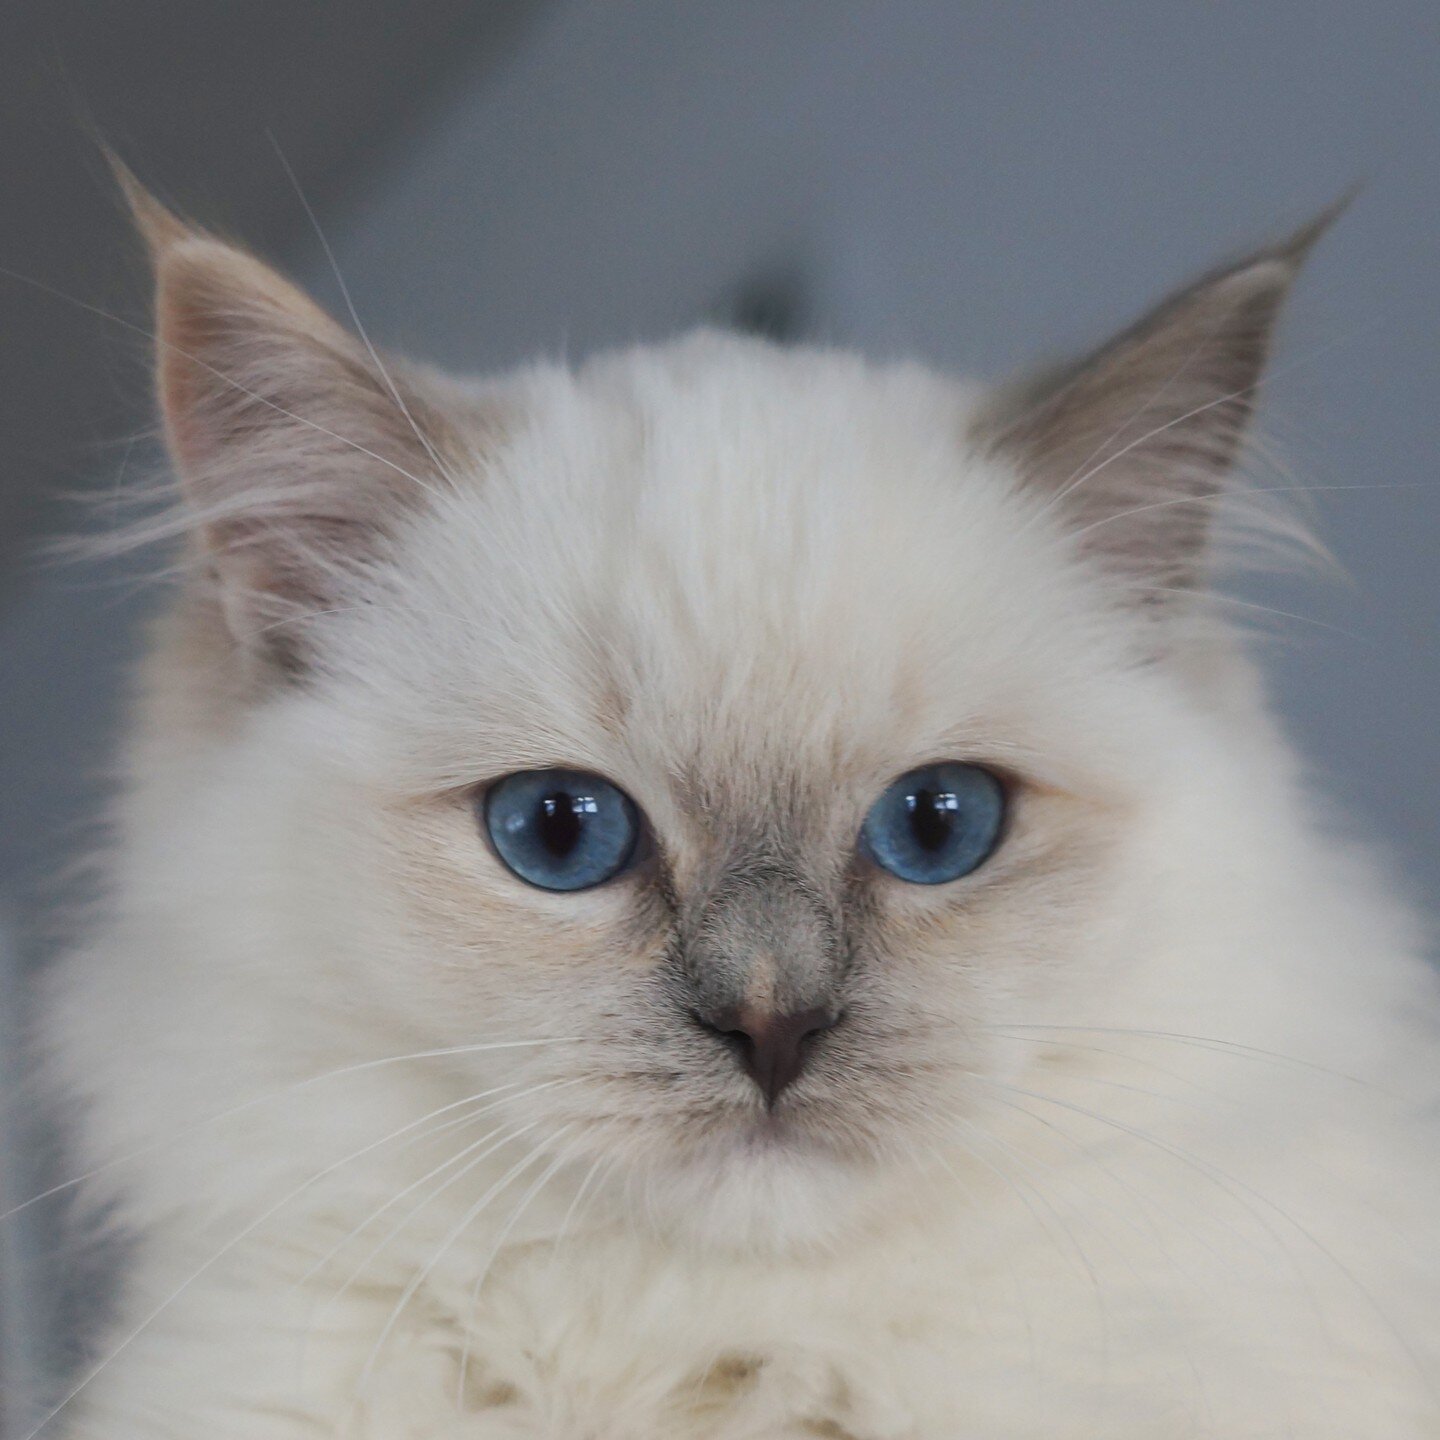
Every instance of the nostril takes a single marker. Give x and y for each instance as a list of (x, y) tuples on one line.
[(771, 1048), (740, 1043), (817, 1022)]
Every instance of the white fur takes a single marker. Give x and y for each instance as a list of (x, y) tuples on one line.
[(796, 579)]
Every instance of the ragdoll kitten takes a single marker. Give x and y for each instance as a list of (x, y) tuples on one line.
[(733, 892)]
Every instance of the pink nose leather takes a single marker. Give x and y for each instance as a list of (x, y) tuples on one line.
[(771, 1048)]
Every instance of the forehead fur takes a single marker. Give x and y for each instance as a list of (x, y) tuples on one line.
[(750, 559)]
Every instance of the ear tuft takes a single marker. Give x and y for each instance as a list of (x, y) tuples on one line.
[(297, 448), (1134, 442), (157, 225)]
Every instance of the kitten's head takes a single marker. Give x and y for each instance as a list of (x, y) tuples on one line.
[(760, 730)]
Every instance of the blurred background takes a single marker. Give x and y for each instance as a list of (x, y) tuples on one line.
[(981, 185)]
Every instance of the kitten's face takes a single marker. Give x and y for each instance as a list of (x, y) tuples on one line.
[(751, 589)]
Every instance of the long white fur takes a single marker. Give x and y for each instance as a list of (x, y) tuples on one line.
[(1182, 1179)]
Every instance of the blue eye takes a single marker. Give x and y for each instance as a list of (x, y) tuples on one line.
[(561, 829), (936, 823)]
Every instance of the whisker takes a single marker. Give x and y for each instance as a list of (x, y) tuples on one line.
[(1039, 1194), (304, 616), (526, 1200), (1257, 490), (1144, 1205), (1230, 1101), (1215, 598), (220, 375), (1081, 1149), (1019, 1289), (574, 1213), (1066, 1047), (1215, 1176), (185, 1131), (468, 1151), (488, 1144), (354, 314), (1225, 1182), (1083, 471), (927, 1160), (465, 1221), (1242, 393), (1208, 1042), (134, 1334), (1088, 1154), (469, 1118)]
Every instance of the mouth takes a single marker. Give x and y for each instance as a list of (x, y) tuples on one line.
[(795, 1131), (770, 1131)]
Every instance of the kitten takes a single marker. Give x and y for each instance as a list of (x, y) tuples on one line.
[(732, 892)]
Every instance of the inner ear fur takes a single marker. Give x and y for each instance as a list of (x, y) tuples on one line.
[(1134, 441), (296, 447)]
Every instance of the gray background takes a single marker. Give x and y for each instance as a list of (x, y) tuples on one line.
[(978, 184)]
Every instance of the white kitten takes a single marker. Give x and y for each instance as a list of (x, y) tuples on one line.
[(912, 999)]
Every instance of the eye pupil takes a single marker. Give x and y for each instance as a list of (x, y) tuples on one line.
[(932, 818), (561, 829), (560, 822), (936, 823)]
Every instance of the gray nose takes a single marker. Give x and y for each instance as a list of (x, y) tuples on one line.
[(772, 1049)]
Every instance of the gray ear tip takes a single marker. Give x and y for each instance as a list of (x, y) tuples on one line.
[(158, 226), (1269, 272), (1296, 247)]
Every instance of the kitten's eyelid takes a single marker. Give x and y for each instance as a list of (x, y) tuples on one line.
[(1022, 768), (1012, 777), (495, 772)]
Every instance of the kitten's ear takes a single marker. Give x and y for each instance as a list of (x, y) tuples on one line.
[(1135, 440), (295, 448)]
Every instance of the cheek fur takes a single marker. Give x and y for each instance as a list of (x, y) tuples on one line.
[(1020, 926), (490, 946)]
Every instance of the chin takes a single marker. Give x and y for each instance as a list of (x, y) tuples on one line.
[(760, 1189)]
